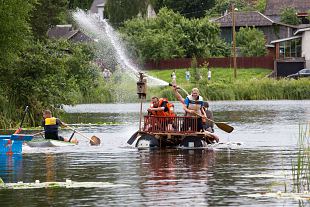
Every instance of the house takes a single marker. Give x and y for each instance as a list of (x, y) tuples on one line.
[(274, 8), (97, 7), (271, 29), (68, 33), (305, 47)]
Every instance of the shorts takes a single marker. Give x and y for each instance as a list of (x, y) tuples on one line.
[(53, 136)]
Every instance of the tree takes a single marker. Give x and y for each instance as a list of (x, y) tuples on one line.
[(222, 6), (118, 11), (261, 5), (46, 14), (289, 16), (251, 42), (82, 4), (171, 35), (15, 31), (187, 8), (50, 74)]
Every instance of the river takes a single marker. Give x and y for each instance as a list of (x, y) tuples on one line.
[(268, 132)]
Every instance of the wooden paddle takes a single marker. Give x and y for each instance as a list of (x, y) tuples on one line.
[(20, 126), (223, 126), (133, 137), (93, 140)]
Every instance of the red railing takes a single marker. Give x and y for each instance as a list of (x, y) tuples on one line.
[(163, 124)]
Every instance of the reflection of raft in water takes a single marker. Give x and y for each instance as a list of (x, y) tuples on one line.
[(176, 131), (49, 143)]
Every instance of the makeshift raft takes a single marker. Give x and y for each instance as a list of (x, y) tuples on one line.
[(179, 131), (12, 144)]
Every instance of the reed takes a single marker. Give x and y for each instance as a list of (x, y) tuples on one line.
[(300, 167), (251, 84)]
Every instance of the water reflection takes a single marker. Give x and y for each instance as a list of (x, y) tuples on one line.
[(11, 167)]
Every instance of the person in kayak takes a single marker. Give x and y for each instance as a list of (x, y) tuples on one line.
[(51, 125)]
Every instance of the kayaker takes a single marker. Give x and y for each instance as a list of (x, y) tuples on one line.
[(51, 125)]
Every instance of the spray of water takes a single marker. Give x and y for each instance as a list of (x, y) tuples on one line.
[(103, 33)]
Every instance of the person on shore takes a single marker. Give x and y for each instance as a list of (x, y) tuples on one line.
[(209, 74), (187, 75), (51, 125), (173, 77)]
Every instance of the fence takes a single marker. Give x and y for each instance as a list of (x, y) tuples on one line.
[(225, 62), (163, 124)]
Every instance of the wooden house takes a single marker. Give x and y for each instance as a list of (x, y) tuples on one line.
[(271, 29)]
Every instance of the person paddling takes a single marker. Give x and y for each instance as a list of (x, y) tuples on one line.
[(193, 106), (51, 125)]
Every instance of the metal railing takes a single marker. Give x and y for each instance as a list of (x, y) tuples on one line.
[(163, 124)]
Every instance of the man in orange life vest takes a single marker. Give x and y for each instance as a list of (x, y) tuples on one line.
[(161, 107), (51, 125)]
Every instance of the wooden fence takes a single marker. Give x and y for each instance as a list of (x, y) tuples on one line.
[(225, 62)]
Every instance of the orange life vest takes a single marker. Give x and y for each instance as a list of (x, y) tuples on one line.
[(169, 105)]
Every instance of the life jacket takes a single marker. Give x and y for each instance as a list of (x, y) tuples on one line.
[(195, 105), (169, 105), (51, 125)]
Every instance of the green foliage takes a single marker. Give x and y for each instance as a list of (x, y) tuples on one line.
[(171, 35), (14, 30), (308, 17), (261, 5), (47, 13), (50, 74), (289, 16), (82, 4), (251, 42), (118, 11), (221, 6), (187, 8)]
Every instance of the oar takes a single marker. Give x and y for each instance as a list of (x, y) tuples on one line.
[(223, 126), (133, 137), (93, 140), (20, 126)]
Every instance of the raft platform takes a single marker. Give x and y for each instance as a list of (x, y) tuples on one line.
[(12, 144)]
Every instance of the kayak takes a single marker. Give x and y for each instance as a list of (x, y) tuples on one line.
[(49, 143)]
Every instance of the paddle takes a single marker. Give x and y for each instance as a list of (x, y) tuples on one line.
[(223, 126), (93, 140), (20, 127), (133, 138)]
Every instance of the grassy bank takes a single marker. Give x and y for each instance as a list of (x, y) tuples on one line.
[(250, 84)]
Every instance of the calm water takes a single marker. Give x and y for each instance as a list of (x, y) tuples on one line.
[(268, 131)]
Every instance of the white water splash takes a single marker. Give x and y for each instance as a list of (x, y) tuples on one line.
[(101, 31)]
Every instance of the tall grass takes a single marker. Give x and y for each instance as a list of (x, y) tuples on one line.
[(301, 166), (251, 84)]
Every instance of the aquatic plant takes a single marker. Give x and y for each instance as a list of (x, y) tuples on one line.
[(301, 166)]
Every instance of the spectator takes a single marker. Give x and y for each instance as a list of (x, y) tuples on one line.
[(173, 77), (187, 75), (209, 74)]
